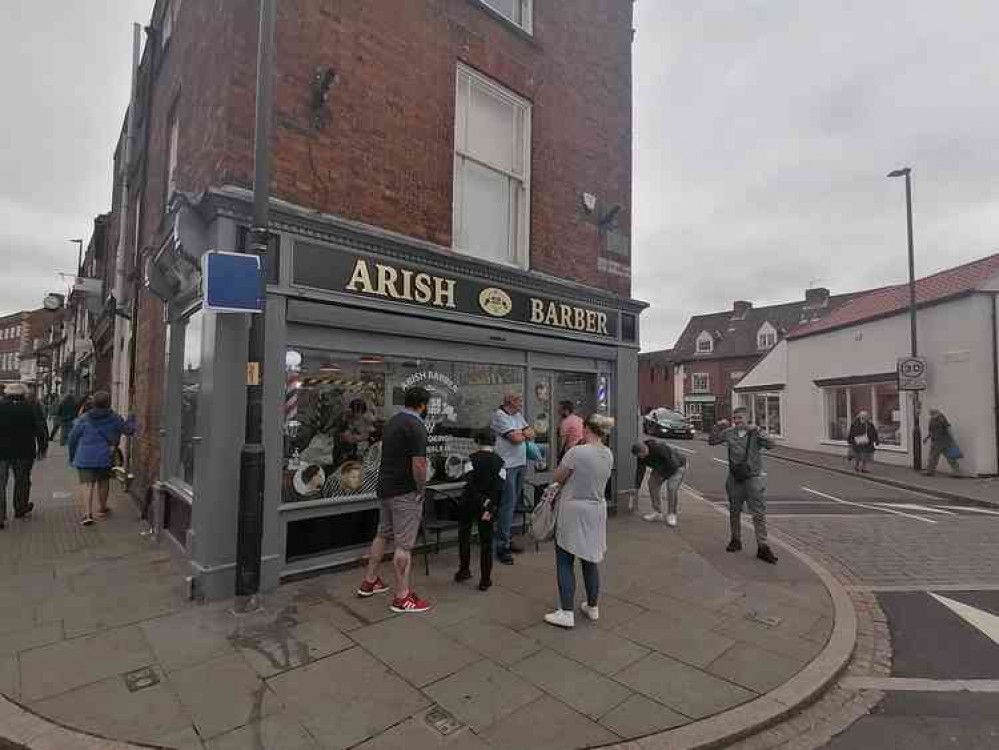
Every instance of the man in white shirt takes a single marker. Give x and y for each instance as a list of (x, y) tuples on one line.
[(512, 433)]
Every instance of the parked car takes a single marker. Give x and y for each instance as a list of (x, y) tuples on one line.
[(667, 423)]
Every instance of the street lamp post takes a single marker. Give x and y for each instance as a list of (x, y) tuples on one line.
[(250, 525), (917, 436)]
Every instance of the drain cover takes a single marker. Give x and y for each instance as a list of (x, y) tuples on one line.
[(442, 721), (769, 620), (140, 679)]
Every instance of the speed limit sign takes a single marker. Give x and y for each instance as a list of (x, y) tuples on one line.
[(911, 374)]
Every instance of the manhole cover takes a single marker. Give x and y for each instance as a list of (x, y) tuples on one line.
[(769, 620), (140, 679), (442, 721)]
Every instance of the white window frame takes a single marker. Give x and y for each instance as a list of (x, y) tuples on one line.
[(520, 220), (173, 147), (523, 13), (748, 400), (766, 337), (703, 338), (693, 382), (903, 405)]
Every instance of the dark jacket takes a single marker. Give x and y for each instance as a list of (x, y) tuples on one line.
[(857, 429), (940, 434), (67, 409), (93, 437), (663, 459), (23, 436), (745, 448), (484, 483)]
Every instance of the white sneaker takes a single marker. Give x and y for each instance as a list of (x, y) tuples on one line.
[(652, 517), (592, 612), (671, 520), (560, 618)]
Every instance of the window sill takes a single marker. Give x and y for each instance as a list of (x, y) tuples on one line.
[(520, 31)]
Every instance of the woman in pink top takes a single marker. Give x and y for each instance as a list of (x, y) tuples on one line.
[(570, 431)]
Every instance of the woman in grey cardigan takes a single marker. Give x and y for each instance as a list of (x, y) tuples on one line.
[(581, 529)]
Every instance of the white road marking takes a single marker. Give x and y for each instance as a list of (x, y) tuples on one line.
[(913, 506), (970, 509), (61, 495), (915, 587), (869, 507), (986, 622), (920, 684), (719, 460), (685, 450), (844, 516)]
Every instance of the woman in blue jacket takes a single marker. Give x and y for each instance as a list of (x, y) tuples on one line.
[(92, 442)]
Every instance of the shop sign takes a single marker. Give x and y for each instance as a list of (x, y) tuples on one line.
[(324, 268), (912, 374)]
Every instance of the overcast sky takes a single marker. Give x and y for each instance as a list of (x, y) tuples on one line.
[(764, 132)]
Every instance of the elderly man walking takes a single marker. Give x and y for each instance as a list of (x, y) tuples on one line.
[(746, 484), (23, 438), (512, 433)]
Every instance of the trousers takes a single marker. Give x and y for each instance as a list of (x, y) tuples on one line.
[(565, 564), (513, 488), (753, 493), (468, 517), (672, 490), (21, 469), (936, 451)]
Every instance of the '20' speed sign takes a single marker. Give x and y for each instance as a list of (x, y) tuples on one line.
[(912, 373)]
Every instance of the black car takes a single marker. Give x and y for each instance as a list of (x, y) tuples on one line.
[(667, 423)]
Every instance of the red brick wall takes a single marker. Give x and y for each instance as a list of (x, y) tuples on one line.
[(655, 385), (721, 381)]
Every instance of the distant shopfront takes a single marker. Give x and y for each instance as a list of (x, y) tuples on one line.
[(353, 320)]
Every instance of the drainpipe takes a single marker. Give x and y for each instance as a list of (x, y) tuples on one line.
[(120, 357), (995, 371)]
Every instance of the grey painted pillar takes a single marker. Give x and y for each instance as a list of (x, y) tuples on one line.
[(628, 429)]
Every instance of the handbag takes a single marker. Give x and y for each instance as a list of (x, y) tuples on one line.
[(545, 514), (742, 471), (953, 452), (117, 456)]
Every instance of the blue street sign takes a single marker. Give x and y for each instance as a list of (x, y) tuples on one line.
[(232, 282)]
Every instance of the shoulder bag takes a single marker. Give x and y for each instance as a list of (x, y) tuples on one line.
[(545, 514), (742, 471)]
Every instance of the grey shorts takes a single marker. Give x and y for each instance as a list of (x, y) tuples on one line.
[(400, 518), (93, 476)]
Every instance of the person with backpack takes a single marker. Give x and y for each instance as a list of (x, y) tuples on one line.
[(93, 442), (668, 466), (484, 477), (746, 484)]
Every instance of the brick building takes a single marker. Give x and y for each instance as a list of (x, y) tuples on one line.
[(656, 380), (451, 202), (14, 332), (716, 350)]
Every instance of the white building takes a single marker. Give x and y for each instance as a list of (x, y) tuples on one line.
[(811, 386)]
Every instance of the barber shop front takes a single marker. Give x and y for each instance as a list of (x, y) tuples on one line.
[(354, 317)]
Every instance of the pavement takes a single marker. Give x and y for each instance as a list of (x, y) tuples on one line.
[(922, 571), (99, 646)]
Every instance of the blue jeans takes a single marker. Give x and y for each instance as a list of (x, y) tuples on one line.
[(565, 567), (513, 488)]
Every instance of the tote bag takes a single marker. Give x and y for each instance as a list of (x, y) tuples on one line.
[(545, 514)]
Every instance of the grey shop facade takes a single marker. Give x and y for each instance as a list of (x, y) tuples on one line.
[(354, 317)]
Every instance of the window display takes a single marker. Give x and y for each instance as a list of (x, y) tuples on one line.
[(880, 400), (336, 406), (190, 396)]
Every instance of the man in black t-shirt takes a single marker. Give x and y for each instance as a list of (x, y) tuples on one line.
[(668, 466), (402, 480)]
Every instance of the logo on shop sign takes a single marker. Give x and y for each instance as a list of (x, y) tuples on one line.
[(496, 302)]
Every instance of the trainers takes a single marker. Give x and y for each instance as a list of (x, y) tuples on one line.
[(671, 520), (370, 588), (462, 575), (561, 619), (766, 554), (87, 521), (485, 585), (26, 512), (652, 517), (734, 546), (411, 605), (592, 612)]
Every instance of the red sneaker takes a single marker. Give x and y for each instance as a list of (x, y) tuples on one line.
[(370, 588), (411, 605)]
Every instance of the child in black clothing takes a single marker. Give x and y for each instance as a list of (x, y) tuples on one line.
[(484, 476)]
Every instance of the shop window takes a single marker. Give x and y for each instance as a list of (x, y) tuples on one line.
[(336, 406), (517, 12), (491, 170), (629, 327), (700, 382), (190, 396), (880, 400), (765, 411)]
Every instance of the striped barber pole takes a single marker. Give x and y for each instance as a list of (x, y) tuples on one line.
[(291, 397)]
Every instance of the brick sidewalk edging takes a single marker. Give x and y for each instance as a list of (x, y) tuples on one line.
[(787, 700)]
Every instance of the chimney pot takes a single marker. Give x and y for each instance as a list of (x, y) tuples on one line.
[(817, 297), (740, 308)]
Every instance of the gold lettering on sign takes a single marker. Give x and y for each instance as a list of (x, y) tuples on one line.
[(360, 280), (537, 311), (387, 276), (424, 291), (566, 319), (591, 321), (579, 322), (443, 292), (602, 323), (407, 284)]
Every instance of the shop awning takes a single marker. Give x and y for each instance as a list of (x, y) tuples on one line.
[(881, 377), (700, 398)]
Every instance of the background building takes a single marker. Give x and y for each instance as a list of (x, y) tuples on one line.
[(452, 189), (656, 386)]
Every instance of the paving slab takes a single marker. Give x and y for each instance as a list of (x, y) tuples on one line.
[(24, 640), (753, 668), (55, 669), (286, 643), (346, 698), (417, 734), (676, 637), (415, 650), (639, 716), (497, 642), (185, 639), (280, 731), (482, 694), (685, 689), (598, 649), (581, 688), (223, 694), (547, 724)]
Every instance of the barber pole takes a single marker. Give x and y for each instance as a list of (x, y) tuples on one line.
[(292, 384)]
